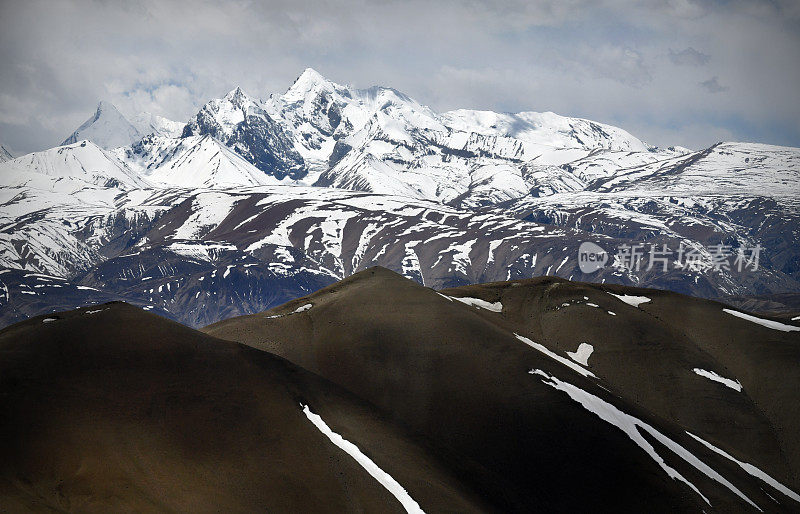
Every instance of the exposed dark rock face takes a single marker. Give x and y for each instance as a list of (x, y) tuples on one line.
[(242, 124)]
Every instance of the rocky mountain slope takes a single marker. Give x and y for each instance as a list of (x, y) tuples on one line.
[(468, 362), (202, 256), (241, 123)]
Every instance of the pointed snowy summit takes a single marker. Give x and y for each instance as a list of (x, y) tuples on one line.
[(107, 128), (309, 76), (309, 82), (238, 97)]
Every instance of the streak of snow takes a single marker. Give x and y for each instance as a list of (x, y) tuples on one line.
[(302, 308), (384, 478), (751, 470), (733, 384), (566, 362), (631, 425), (477, 302), (299, 309), (763, 322)]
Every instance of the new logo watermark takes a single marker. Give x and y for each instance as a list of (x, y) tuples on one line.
[(591, 257), (638, 257)]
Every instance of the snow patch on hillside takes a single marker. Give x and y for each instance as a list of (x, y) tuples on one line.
[(634, 301)]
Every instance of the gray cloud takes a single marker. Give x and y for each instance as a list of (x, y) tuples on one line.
[(712, 85), (688, 57), (609, 60)]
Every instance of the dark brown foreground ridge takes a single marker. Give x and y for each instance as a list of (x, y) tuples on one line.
[(535, 395), (112, 409)]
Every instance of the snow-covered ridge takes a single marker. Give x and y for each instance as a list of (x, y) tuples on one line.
[(376, 139), (546, 129), (84, 161), (724, 168), (194, 161)]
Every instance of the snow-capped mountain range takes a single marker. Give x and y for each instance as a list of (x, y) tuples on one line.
[(254, 201)]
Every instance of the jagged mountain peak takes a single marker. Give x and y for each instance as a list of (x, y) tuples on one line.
[(238, 97), (105, 105), (107, 109), (309, 76), (243, 124)]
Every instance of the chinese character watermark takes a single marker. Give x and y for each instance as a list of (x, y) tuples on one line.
[(638, 257)]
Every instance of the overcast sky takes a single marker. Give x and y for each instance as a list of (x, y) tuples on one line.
[(674, 72)]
